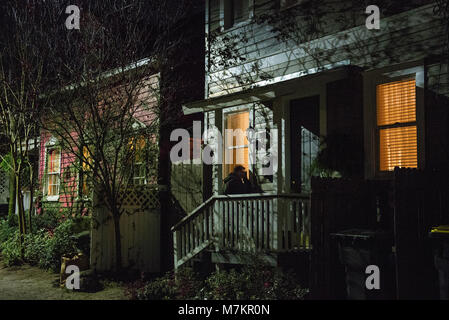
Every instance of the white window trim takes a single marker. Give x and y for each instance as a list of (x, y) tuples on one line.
[(51, 145), (226, 112), (371, 80), (139, 178), (80, 194)]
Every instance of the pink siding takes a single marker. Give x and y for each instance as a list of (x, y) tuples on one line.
[(67, 158), (69, 193)]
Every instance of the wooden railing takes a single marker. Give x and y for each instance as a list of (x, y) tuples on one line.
[(250, 222)]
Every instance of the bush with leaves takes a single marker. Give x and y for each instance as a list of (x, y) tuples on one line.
[(252, 281), (47, 221), (184, 285), (60, 243), (7, 229), (43, 247), (11, 250), (36, 245)]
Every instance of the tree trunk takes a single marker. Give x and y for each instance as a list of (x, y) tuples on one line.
[(118, 241), (21, 215), (30, 211), (12, 197)]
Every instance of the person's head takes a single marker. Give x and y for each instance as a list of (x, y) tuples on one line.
[(240, 171)]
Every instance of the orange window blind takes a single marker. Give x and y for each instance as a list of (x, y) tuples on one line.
[(396, 121), (54, 161), (87, 168), (54, 157), (139, 144), (236, 141), (87, 159)]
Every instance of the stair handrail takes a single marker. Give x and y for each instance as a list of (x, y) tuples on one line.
[(194, 213)]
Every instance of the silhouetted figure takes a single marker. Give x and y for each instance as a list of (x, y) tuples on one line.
[(237, 182)]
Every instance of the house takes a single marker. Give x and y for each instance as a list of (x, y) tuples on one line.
[(149, 208), (332, 96), (66, 187)]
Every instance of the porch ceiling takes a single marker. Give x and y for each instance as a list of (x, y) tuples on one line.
[(265, 93)]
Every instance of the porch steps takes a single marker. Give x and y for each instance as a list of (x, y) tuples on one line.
[(227, 226)]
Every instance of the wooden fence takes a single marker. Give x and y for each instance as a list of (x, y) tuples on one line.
[(421, 201), (338, 204), (140, 231), (407, 206)]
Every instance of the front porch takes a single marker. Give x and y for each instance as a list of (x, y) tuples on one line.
[(225, 225), (284, 123)]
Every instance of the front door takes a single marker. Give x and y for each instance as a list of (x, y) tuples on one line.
[(304, 137)]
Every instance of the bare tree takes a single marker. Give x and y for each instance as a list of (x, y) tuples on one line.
[(107, 99), (22, 62)]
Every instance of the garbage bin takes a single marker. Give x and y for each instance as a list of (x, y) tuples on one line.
[(359, 249), (441, 257)]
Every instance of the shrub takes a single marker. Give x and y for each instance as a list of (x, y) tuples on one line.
[(44, 247), (185, 285), (46, 220), (253, 281), (11, 250), (59, 244), (7, 230), (35, 245)]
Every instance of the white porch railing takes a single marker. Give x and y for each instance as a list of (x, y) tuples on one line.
[(250, 222)]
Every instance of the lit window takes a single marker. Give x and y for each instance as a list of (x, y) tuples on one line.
[(236, 141), (53, 172), (396, 122), (87, 171), (139, 168), (140, 174)]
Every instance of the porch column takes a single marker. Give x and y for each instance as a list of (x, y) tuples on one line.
[(280, 123)]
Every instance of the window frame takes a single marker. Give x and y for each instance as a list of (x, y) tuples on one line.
[(85, 175), (140, 162), (373, 78), (139, 178), (397, 124), (52, 197), (226, 113)]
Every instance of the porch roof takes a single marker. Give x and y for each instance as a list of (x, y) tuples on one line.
[(262, 93)]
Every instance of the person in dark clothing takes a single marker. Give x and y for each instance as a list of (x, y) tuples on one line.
[(237, 182)]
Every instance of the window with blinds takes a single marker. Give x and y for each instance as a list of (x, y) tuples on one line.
[(53, 172), (396, 123), (86, 173), (235, 141), (139, 176)]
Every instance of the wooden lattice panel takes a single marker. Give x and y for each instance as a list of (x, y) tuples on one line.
[(4, 182), (141, 198)]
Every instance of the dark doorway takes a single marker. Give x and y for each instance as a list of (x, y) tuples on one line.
[(304, 137)]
